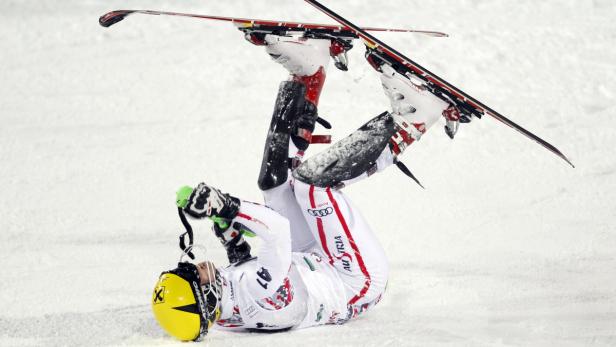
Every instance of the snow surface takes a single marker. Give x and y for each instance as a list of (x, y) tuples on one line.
[(508, 245)]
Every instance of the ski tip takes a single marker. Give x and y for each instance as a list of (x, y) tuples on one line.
[(412, 31), (437, 34), (111, 18), (560, 155), (429, 33), (568, 161)]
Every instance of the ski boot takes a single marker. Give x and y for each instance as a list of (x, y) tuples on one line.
[(414, 109)]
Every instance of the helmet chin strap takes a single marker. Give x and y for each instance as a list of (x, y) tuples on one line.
[(201, 254), (189, 232), (212, 289), (188, 249)]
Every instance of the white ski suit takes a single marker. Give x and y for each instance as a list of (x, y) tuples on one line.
[(341, 277)]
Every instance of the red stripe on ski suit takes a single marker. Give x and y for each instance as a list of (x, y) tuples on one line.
[(360, 260), (245, 216), (252, 219), (320, 227)]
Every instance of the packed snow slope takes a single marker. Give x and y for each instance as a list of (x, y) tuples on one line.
[(507, 246)]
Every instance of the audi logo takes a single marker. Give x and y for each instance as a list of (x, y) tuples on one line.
[(321, 213)]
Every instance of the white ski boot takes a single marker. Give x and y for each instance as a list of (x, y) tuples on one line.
[(414, 108)]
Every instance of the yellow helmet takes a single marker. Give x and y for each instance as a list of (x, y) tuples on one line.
[(182, 307)]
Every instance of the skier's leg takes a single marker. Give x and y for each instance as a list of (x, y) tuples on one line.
[(347, 242), (380, 142), (274, 178), (291, 127), (359, 155), (342, 234)]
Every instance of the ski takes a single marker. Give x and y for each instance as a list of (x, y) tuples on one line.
[(378, 52), (113, 17)]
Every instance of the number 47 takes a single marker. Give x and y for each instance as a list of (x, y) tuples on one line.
[(265, 276)]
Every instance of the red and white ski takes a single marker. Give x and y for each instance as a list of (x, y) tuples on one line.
[(113, 17), (376, 49)]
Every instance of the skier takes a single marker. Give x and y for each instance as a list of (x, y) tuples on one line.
[(319, 262)]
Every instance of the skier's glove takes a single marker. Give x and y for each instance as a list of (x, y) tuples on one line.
[(206, 201), (238, 250)]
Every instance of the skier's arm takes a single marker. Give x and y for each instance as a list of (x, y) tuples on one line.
[(274, 258), (275, 253)]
